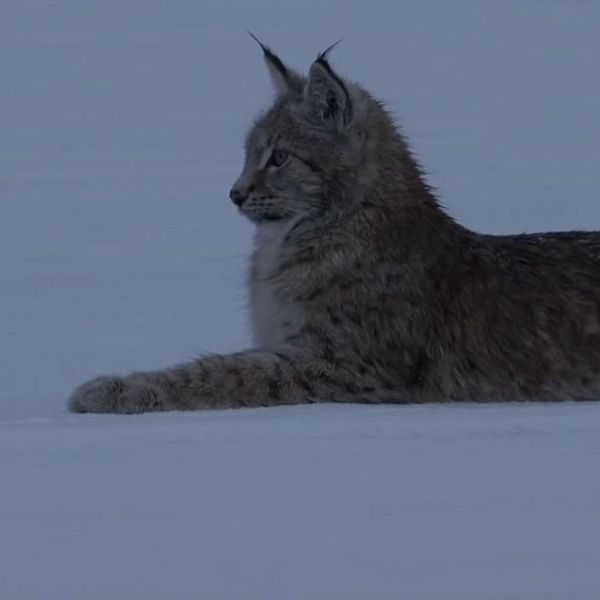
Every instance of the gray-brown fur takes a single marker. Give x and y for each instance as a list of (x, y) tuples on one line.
[(363, 289)]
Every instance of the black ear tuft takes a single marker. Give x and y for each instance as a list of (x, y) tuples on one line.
[(323, 55)]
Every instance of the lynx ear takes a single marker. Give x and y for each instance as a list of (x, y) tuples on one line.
[(326, 96), (284, 80)]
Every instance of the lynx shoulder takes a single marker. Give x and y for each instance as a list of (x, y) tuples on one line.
[(363, 289)]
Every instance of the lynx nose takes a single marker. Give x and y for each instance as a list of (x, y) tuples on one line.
[(237, 196)]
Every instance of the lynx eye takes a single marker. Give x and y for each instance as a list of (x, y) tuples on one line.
[(278, 158)]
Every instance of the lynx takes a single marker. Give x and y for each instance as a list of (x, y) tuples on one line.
[(363, 289)]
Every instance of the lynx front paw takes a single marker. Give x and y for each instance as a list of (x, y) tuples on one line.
[(116, 395)]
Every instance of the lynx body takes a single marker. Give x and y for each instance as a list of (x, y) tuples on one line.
[(362, 289)]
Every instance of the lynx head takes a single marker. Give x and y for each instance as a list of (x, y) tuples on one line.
[(312, 151)]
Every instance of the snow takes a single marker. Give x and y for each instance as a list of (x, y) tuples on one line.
[(304, 502), (120, 135)]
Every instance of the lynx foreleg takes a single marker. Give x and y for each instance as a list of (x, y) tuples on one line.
[(253, 378)]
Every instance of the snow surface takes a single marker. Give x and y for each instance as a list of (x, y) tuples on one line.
[(120, 134)]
